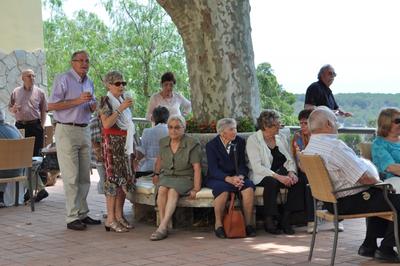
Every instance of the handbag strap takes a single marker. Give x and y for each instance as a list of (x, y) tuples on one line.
[(237, 193)]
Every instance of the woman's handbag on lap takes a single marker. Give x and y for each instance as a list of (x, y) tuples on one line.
[(233, 223)]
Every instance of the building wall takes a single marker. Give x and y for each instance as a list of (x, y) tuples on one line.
[(21, 25), (21, 46)]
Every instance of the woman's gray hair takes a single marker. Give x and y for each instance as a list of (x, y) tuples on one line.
[(267, 118), (178, 118), (224, 123), (112, 77)]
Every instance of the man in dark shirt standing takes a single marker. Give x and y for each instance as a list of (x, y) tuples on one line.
[(319, 93)]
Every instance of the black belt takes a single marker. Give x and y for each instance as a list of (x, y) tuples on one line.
[(73, 124), (30, 122)]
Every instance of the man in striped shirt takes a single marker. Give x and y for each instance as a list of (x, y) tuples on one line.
[(346, 169)]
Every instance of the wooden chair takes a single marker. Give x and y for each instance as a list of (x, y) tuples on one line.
[(15, 154), (322, 189), (365, 150)]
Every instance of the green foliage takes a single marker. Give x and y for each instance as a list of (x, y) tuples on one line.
[(273, 96), (244, 124), (141, 42), (352, 140), (364, 106)]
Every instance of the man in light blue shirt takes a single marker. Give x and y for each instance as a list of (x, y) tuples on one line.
[(148, 151), (73, 101)]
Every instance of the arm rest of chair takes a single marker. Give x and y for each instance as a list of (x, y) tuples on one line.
[(383, 186)]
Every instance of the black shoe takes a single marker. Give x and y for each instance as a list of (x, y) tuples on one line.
[(366, 251), (41, 195), (88, 220), (250, 231), (76, 225), (286, 226), (26, 196), (220, 232), (270, 226), (387, 256)]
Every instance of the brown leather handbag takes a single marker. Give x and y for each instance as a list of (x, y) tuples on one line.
[(234, 224)]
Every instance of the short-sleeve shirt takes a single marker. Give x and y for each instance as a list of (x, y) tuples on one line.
[(68, 86), (385, 153), (33, 103), (345, 168), (179, 163), (9, 132), (150, 146), (319, 94), (173, 104)]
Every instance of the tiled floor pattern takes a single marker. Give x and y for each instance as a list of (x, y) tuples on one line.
[(41, 238)]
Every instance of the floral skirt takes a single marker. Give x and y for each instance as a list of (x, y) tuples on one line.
[(119, 173)]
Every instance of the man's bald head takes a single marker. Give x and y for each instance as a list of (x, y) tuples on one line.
[(322, 120)]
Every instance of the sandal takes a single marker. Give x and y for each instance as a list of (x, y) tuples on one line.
[(125, 223), (158, 235)]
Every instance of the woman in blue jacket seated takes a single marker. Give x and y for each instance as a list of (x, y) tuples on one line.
[(222, 176)]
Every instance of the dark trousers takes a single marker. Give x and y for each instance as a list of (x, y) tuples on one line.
[(371, 200), (33, 130), (294, 201), (309, 202)]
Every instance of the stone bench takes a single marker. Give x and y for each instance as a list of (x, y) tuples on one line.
[(144, 200)]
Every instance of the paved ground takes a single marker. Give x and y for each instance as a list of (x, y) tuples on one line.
[(41, 238)]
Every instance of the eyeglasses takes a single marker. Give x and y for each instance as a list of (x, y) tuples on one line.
[(119, 83), (396, 121), (30, 76), (305, 123), (81, 61), (175, 127), (332, 73)]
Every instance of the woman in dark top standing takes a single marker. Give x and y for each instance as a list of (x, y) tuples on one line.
[(273, 167), (222, 176)]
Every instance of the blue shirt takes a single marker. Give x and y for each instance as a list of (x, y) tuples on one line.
[(385, 153), (68, 86), (150, 147), (9, 132)]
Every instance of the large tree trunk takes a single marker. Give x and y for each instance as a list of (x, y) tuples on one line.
[(219, 55)]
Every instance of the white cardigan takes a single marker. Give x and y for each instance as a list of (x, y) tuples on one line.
[(260, 157)]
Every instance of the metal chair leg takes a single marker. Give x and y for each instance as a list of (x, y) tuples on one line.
[(17, 193), (314, 231), (335, 239), (29, 174)]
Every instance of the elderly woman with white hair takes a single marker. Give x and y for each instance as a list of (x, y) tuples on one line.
[(273, 167), (177, 172), (223, 177)]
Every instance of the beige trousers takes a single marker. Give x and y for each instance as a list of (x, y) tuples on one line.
[(73, 154)]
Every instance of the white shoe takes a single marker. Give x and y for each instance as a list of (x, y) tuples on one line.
[(340, 227), (310, 227)]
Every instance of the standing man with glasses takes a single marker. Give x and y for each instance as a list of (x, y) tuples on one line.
[(319, 92), (73, 101), (29, 106)]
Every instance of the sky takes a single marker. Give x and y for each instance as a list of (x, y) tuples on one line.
[(359, 38)]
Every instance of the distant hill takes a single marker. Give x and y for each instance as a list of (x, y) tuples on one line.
[(364, 106)]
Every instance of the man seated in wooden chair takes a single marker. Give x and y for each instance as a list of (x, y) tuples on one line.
[(346, 169), (8, 131)]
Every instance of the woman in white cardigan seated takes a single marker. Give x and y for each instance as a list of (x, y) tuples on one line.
[(273, 167)]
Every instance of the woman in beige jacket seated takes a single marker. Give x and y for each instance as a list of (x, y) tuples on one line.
[(273, 167)]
